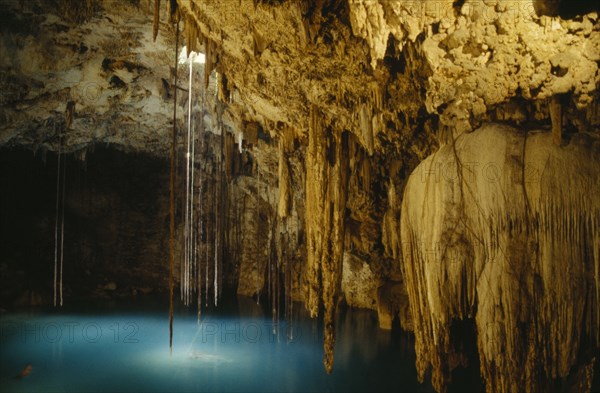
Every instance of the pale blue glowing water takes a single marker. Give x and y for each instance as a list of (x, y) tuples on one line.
[(125, 350)]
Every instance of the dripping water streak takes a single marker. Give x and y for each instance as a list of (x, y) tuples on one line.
[(56, 219), (269, 289), (215, 230), (172, 194), (192, 233), (223, 205), (190, 176), (257, 214), (207, 263), (187, 196), (200, 231), (216, 248), (62, 229)]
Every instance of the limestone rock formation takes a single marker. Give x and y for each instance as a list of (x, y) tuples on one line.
[(87, 78), (503, 226), (482, 54), (311, 115)]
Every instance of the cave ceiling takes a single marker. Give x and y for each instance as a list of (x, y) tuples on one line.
[(402, 75)]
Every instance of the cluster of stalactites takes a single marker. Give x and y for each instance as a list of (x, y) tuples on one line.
[(502, 227), (172, 11)]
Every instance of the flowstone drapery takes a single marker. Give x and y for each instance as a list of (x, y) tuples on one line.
[(503, 226)]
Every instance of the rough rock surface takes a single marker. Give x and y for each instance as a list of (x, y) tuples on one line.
[(503, 226), (359, 284), (78, 80), (485, 53)]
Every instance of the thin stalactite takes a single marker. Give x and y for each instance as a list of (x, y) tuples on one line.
[(193, 245), (188, 199), (156, 21), (172, 192), (200, 217), (224, 205)]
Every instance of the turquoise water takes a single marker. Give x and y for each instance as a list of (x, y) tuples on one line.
[(108, 349)]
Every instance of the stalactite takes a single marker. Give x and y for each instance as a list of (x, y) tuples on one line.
[(286, 144), (326, 187), (192, 256), (156, 20), (334, 250), (366, 126), (217, 226), (273, 274), (223, 200), (208, 65), (283, 206), (191, 34), (288, 260), (188, 233), (315, 199), (200, 217), (172, 192), (219, 208)]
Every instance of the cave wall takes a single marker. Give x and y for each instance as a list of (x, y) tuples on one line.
[(90, 72), (112, 200)]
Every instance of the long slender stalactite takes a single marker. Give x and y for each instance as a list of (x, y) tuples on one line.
[(188, 260), (334, 249), (193, 244), (326, 192), (200, 207), (172, 191), (286, 145), (316, 185)]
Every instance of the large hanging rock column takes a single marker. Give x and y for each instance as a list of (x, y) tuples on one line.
[(326, 190), (503, 226)]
